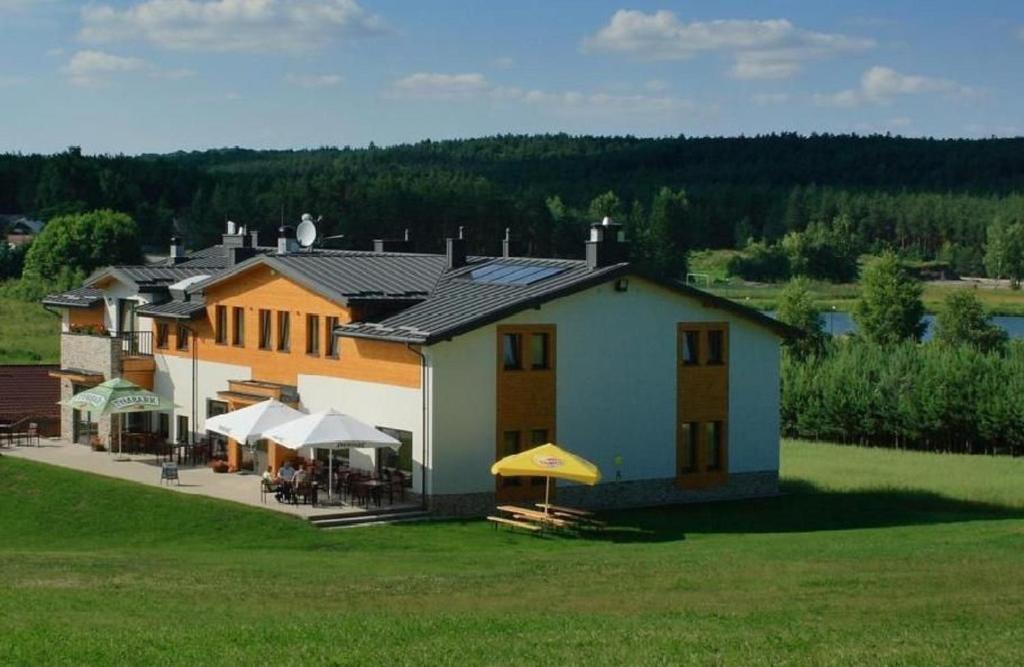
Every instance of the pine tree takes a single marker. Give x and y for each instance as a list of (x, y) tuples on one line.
[(890, 307)]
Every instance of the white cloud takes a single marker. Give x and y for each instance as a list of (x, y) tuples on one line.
[(443, 86), (314, 80), (96, 68), (504, 62), (767, 49), (477, 87), (880, 85), (230, 25), (657, 85), (770, 99)]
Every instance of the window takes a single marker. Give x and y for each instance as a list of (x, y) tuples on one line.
[(687, 456), (510, 445), (181, 433), (284, 341), (163, 425), (691, 348), (714, 461), (333, 348), (163, 332), (716, 346), (238, 326), (182, 338), (539, 359), (313, 335), (511, 351), (221, 325), (264, 329)]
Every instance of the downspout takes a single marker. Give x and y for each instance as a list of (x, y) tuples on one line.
[(423, 425), (195, 399)]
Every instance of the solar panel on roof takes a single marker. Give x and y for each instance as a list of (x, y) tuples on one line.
[(512, 274)]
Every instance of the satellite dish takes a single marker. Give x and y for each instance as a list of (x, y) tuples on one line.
[(306, 233)]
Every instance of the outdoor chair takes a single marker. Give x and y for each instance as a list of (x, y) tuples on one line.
[(266, 488), (168, 472), (32, 434)]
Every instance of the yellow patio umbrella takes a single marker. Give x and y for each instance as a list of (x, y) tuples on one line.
[(548, 461)]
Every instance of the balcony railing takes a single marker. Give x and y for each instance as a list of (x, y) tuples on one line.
[(136, 343)]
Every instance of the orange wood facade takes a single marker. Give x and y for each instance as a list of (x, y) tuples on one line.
[(276, 454), (702, 398), (83, 317), (525, 404), (262, 288)]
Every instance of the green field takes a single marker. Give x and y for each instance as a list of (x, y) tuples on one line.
[(871, 557), (28, 333)]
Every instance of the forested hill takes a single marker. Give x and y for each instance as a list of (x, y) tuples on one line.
[(915, 194)]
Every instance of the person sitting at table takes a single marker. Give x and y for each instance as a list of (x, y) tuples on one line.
[(300, 478), (285, 476)]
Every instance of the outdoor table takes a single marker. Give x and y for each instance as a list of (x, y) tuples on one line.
[(374, 486), (538, 517), (565, 510)]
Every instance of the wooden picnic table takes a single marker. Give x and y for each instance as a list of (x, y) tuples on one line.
[(565, 510), (538, 517)]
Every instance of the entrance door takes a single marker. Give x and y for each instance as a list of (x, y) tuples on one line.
[(82, 429), (522, 488)]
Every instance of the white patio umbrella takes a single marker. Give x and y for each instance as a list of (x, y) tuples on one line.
[(248, 424), (330, 429)]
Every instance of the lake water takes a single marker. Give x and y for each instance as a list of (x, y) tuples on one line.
[(838, 322)]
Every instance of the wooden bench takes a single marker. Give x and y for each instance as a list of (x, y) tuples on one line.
[(527, 514), (512, 523), (565, 510)]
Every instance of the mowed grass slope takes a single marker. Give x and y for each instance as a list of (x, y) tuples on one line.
[(28, 333), (872, 557)]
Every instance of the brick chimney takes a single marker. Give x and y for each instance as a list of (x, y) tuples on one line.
[(177, 250)]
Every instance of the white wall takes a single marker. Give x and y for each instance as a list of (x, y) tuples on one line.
[(172, 378), (378, 404), (616, 387)]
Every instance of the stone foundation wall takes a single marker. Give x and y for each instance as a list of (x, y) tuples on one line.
[(621, 495), (98, 354)]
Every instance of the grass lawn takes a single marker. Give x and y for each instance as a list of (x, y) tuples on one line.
[(28, 333), (872, 557)]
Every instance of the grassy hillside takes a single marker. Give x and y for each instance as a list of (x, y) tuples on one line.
[(28, 333), (872, 557)]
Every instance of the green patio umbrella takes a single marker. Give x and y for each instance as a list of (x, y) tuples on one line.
[(118, 396)]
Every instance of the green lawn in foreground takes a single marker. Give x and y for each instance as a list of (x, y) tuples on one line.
[(872, 557), (28, 333)]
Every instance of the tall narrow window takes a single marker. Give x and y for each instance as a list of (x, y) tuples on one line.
[(221, 325), (687, 456), (238, 326), (181, 432), (162, 334), (539, 353), (182, 338), (264, 329), (332, 340), (716, 347), (284, 333), (714, 461), (511, 444), (313, 335), (691, 348), (511, 345)]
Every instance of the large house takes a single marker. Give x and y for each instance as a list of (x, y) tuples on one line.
[(671, 391)]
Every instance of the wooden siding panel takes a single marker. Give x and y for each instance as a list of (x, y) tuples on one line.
[(702, 396), (364, 360), (86, 317)]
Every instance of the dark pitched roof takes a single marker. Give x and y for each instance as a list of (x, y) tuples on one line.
[(349, 275), (28, 391), (12, 220), (82, 297), (459, 304), (174, 309)]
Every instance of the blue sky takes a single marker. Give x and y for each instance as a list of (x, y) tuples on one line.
[(161, 75)]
